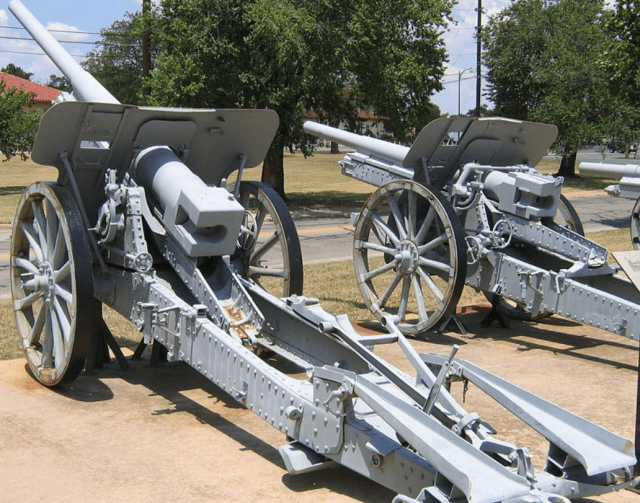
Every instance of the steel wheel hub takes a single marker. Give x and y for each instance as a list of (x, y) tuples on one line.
[(407, 257)]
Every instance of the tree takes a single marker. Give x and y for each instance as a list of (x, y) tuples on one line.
[(545, 64), (59, 82), (16, 71), (18, 124), (117, 62), (623, 68), (332, 57)]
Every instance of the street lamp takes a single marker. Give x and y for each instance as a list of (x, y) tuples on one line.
[(459, 79)]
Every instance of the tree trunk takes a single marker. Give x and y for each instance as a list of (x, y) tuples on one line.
[(334, 148), (568, 165), (273, 169)]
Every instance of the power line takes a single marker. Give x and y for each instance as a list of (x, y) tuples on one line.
[(56, 31), (36, 53), (61, 41)]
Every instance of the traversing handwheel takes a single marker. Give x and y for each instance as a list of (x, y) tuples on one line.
[(566, 216), (51, 283), (409, 255), (269, 248)]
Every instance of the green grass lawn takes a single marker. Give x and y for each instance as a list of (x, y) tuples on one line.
[(315, 182)]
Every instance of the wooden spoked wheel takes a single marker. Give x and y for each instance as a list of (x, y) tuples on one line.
[(51, 283), (409, 255), (269, 247)]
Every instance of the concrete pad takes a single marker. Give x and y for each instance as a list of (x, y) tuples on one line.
[(167, 434)]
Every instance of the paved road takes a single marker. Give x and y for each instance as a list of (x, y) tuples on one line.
[(326, 237)]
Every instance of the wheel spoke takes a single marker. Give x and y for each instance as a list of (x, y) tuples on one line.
[(368, 245), (426, 224), (397, 216), (47, 343), (382, 301), (26, 302), (380, 225), (60, 252), (25, 264), (39, 224), (412, 215), (431, 284), (377, 272), (417, 291), (264, 248), (63, 273), (63, 319), (36, 329), (53, 227), (58, 342), (63, 293), (434, 264), (30, 234), (404, 297), (434, 243)]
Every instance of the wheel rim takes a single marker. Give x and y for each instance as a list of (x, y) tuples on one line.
[(634, 225), (567, 216), (409, 255), (51, 284), (269, 248)]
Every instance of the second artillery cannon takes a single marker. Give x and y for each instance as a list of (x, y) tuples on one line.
[(464, 204), (141, 220), (627, 188)]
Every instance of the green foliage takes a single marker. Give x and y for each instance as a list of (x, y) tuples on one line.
[(622, 66), (16, 71), (18, 124), (332, 57), (545, 64), (117, 60), (59, 82)]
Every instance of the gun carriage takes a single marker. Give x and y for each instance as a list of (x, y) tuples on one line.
[(464, 204), (141, 220)]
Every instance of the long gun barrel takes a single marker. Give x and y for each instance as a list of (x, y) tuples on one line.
[(372, 146), (610, 170), (85, 86)]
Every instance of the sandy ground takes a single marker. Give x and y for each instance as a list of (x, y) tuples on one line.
[(156, 434)]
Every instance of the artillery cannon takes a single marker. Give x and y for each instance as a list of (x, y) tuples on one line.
[(627, 188), (463, 205), (176, 257)]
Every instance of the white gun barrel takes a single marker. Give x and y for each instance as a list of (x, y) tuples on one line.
[(85, 86), (364, 144), (610, 170)]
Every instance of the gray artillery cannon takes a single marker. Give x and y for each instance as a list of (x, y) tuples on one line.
[(464, 204), (140, 220), (627, 188)]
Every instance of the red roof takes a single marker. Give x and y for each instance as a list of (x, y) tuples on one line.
[(43, 93)]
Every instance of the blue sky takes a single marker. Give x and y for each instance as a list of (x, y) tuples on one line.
[(77, 16), (70, 16)]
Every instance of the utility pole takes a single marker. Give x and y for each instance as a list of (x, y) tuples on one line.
[(146, 45), (479, 59)]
